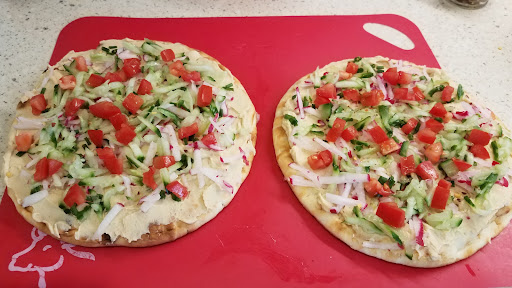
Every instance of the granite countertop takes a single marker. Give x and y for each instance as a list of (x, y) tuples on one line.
[(474, 46)]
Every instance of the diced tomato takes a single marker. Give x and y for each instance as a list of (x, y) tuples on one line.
[(96, 80), (372, 187), (96, 137), (209, 139), (336, 130), (391, 76), (391, 214), (160, 162), (344, 75), (407, 165), (438, 110), (38, 104), (73, 106), (434, 125), (145, 87), (67, 82), (75, 195), (352, 95), (480, 151), (23, 142), (118, 120), (167, 55), (418, 94), (426, 171), (105, 153), (349, 133), (189, 76), (53, 166), (378, 134), (41, 170), (447, 93), (204, 96), (132, 103), (327, 91), (404, 78), (447, 117), (104, 109), (433, 152), (176, 67), (388, 146), (441, 195), (321, 101), (461, 165), (386, 191), (114, 165), (409, 126), (114, 77), (81, 64), (320, 160), (148, 178), (126, 134), (131, 67), (372, 98), (177, 189), (352, 68), (479, 137), (185, 132), (427, 136), (403, 94)]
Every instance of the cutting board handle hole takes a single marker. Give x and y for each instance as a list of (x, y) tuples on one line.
[(390, 35)]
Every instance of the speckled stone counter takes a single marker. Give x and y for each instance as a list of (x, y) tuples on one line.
[(474, 46)]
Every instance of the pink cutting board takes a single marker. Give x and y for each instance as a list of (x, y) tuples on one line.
[(264, 238)]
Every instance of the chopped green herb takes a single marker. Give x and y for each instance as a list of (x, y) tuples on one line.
[(438, 119), (357, 59), (228, 87), (162, 194), (211, 78), (36, 189), (382, 180), (469, 201), (175, 198), (367, 75), (436, 89), (292, 119), (111, 50), (360, 70), (43, 90), (460, 92), (294, 96), (319, 133), (358, 142), (367, 169), (20, 153), (323, 77), (423, 78)]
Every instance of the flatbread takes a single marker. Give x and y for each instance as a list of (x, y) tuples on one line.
[(442, 247), (166, 219)]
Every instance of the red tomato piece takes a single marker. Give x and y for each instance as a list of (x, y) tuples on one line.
[(96, 137), (461, 165), (391, 214), (81, 64), (160, 162), (118, 120), (404, 77), (132, 103), (38, 104), (185, 132), (209, 139), (105, 153), (434, 125), (67, 82), (167, 55), (479, 137), (73, 106), (321, 101), (447, 93), (352, 68), (407, 165), (320, 160), (204, 96), (373, 187), (53, 166), (426, 171), (378, 134), (438, 110), (96, 80), (427, 136), (75, 195), (177, 189), (176, 67), (327, 91), (445, 184), (113, 77), (402, 94), (104, 109), (23, 142), (189, 76), (418, 94), (126, 134), (352, 95), (336, 130), (148, 178), (447, 117), (433, 152), (388, 146), (145, 87), (386, 191), (441, 195), (114, 165), (349, 133), (409, 126), (41, 170), (480, 151), (131, 67), (372, 98), (391, 76)]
